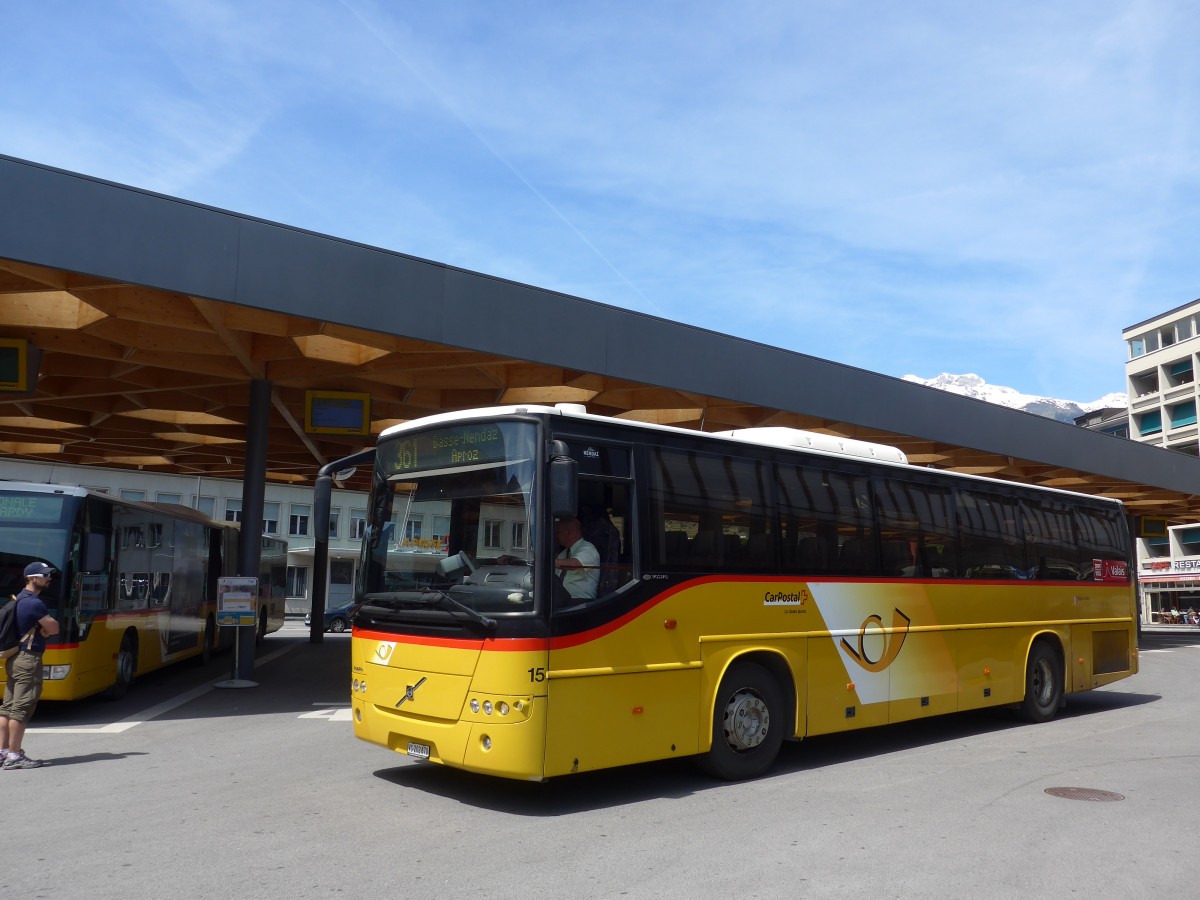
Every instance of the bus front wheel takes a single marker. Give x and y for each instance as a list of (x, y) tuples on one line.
[(209, 637), (1043, 684), (747, 724)]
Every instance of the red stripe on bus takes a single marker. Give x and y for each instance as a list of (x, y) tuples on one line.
[(583, 637), (502, 644)]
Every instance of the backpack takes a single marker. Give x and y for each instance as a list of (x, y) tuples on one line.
[(10, 641)]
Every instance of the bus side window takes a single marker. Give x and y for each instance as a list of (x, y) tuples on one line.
[(826, 516), (719, 506), (603, 516), (991, 542)]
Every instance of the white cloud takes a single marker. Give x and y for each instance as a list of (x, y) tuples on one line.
[(894, 186)]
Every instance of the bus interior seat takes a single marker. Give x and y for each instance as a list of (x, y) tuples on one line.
[(897, 558), (731, 549), (703, 548), (857, 557), (675, 546), (810, 554), (758, 550)]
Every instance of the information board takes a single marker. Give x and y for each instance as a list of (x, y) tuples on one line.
[(236, 598)]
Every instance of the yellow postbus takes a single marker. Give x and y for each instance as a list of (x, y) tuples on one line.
[(136, 582), (744, 589)]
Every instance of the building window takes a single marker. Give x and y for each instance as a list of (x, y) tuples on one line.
[(1180, 373), (298, 520), (518, 535), (441, 530), (358, 524), (168, 498), (233, 510), (1183, 414), (132, 495), (491, 534), (270, 518), (334, 513), (206, 505), (1144, 383), (297, 581), (1150, 423)]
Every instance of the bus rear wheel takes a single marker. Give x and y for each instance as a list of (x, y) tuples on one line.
[(126, 667), (1043, 684), (209, 638), (747, 724)]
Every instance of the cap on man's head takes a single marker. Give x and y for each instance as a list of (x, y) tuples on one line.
[(38, 568)]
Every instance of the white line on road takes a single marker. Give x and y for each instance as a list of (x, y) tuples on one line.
[(155, 711)]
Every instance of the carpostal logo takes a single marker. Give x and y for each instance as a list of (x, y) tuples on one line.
[(786, 598)]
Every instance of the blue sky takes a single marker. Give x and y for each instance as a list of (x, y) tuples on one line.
[(914, 188)]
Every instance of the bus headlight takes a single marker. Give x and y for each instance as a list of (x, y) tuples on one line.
[(487, 707), (502, 708), (55, 673), (474, 705)]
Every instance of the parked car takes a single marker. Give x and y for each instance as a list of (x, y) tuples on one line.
[(337, 619)]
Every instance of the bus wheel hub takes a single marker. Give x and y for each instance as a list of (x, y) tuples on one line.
[(746, 721)]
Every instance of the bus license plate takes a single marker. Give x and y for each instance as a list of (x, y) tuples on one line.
[(418, 751)]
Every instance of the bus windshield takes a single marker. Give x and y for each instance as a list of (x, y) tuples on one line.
[(34, 527), (450, 525)]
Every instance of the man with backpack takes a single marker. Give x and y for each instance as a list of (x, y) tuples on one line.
[(24, 668)]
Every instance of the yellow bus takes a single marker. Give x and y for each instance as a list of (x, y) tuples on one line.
[(746, 588), (136, 582)]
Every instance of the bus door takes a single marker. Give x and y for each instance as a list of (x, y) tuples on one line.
[(185, 597), (618, 683)]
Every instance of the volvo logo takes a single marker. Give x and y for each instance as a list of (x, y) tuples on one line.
[(410, 691)]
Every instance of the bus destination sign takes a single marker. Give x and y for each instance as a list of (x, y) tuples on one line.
[(31, 509), (467, 445)]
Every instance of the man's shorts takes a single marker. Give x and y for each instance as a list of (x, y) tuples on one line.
[(24, 685)]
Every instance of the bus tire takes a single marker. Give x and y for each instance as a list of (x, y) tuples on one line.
[(261, 634), (209, 647), (126, 667), (748, 723), (1043, 683)]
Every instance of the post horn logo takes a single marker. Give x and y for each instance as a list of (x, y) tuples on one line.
[(892, 641)]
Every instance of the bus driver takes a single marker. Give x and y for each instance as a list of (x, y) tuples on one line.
[(578, 563)]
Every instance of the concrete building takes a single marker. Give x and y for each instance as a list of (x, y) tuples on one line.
[(1160, 377)]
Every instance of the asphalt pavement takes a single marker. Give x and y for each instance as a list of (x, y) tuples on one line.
[(185, 790)]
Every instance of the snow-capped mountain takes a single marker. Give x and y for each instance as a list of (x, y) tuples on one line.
[(971, 385)]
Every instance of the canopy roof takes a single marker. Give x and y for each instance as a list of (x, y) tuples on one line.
[(154, 314)]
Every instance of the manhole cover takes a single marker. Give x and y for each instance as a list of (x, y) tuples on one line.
[(1093, 794)]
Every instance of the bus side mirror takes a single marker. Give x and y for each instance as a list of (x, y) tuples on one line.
[(564, 487), (95, 552)]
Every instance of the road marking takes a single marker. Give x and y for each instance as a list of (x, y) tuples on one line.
[(338, 714), (155, 711)]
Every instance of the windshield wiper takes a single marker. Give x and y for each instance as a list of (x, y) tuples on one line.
[(438, 594), (434, 597)]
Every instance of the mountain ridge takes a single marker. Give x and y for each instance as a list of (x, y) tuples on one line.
[(972, 385)]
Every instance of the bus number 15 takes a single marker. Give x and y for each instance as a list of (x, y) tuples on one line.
[(537, 675)]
